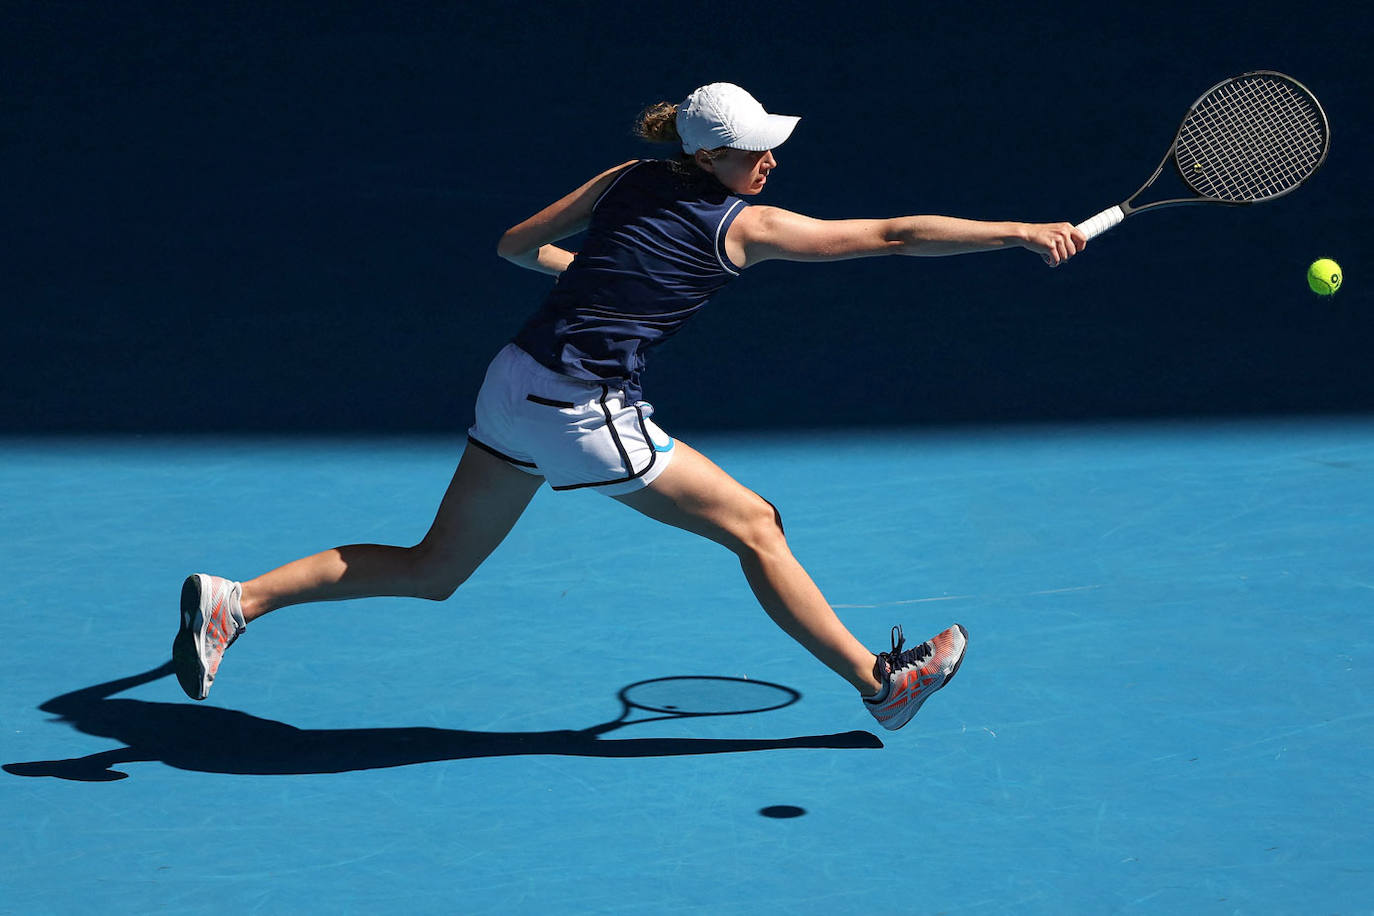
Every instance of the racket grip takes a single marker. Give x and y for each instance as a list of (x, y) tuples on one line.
[(1100, 223)]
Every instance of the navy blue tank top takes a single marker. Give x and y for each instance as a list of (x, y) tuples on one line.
[(653, 255)]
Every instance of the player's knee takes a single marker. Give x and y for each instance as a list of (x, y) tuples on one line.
[(762, 530), (431, 577), (436, 591), (777, 518)]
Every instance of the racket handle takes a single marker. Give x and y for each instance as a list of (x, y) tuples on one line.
[(1100, 223)]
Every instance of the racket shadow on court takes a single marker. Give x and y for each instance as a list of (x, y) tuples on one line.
[(215, 740)]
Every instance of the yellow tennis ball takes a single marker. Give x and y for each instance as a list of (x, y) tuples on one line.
[(1324, 276)]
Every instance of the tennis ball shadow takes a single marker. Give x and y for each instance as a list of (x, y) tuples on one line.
[(782, 812), (211, 739)]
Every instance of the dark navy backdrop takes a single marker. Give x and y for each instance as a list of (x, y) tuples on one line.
[(284, 217)]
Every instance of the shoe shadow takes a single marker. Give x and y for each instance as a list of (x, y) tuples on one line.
[(214, 740)]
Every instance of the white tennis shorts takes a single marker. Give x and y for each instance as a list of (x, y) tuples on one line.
[(573, 433)]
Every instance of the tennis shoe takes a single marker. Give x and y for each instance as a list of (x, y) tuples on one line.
[(910, 677), (211, 619)]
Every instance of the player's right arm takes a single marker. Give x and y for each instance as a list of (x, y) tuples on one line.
[(530, 243), (771, 233)]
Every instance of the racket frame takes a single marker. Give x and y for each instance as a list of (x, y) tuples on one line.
[(1101, 222)]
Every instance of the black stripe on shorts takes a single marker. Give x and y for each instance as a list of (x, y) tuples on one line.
[(506, 458), (549, 402), (624, 455)]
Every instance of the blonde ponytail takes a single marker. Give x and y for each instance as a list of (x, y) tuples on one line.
[(658, 124)]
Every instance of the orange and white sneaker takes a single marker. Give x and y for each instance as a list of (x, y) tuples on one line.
[(910, 677), (211, 620)]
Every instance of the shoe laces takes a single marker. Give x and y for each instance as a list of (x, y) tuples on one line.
[(897, 658)]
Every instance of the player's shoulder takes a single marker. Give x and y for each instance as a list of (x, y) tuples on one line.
[(763, 219), (619, 171)]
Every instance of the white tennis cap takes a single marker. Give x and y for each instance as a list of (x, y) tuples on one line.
[(723, 114)]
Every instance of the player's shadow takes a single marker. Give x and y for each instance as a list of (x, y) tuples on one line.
[(215, 740)]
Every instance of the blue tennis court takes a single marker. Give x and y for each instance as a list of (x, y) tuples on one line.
[(1165, 706)]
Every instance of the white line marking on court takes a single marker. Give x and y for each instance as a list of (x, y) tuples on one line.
[(906, 601), (1288, 733), (1048, 591)]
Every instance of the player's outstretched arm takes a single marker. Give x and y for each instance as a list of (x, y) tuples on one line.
[(771, 233)]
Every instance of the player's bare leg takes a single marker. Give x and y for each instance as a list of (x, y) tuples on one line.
[(484, 500), (696, 495)]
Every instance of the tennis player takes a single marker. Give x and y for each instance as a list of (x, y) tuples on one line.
[(562, 402)]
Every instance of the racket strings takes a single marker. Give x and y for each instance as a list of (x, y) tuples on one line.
[(1251, 139), (1266, 154), (1245, 147)]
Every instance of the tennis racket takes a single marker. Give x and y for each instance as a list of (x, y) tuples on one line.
[(1248, 139)]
